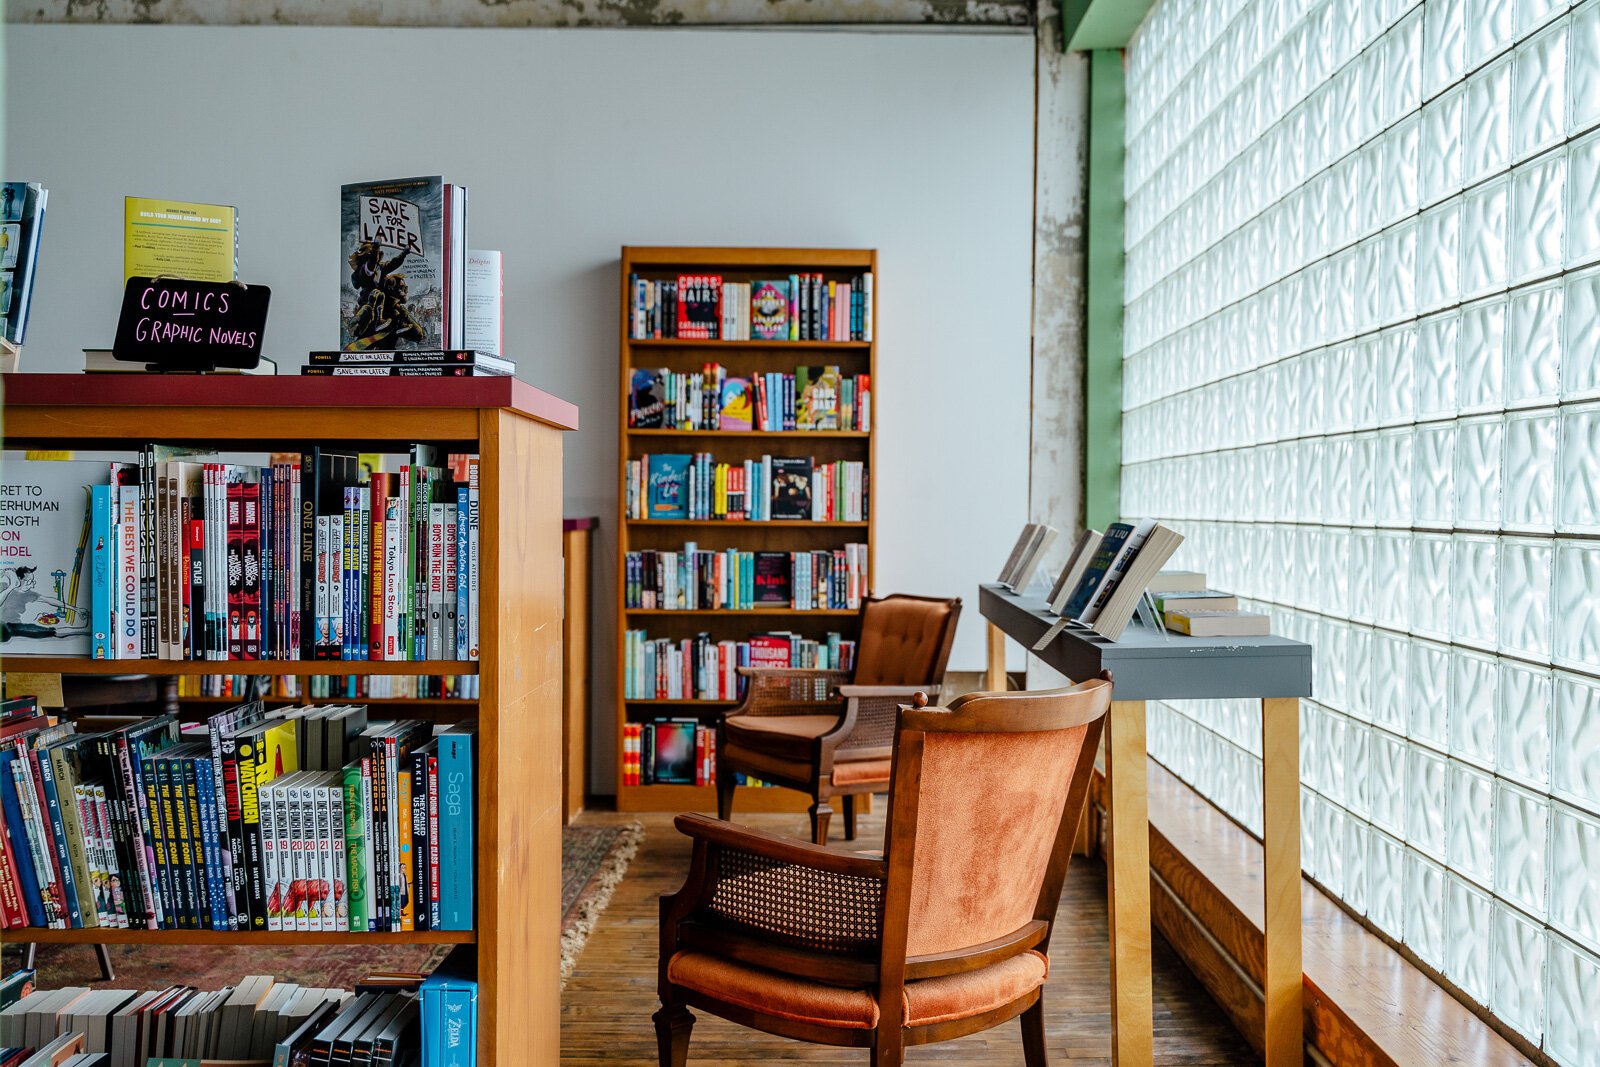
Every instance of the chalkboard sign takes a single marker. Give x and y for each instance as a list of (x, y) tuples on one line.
[(177, 324)]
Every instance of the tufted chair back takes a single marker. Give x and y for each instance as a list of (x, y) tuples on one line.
[(905, 640)]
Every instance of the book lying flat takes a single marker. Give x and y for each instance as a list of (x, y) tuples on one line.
[(1177, 582), (1219, 623), (1198, 600)]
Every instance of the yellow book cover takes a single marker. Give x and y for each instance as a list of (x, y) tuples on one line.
[(280, 752), (195, 241)]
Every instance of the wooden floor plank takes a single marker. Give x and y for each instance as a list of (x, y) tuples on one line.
[(605, 1011)]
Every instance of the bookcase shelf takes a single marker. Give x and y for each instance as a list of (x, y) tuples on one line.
[(253, 667), (464, 703), (704, 798), (741, 358), (265, 938), (814, 435), (517, 432)]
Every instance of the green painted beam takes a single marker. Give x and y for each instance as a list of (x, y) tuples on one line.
[(1088, 25), (1102, 387)]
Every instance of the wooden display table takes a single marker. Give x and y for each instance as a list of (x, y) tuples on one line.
[(1148, 666), (517, 432)]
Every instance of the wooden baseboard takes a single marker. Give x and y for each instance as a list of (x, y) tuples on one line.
[(1366, 1005)]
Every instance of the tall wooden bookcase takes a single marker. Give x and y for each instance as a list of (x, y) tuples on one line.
[(742, 359), (517, 432)]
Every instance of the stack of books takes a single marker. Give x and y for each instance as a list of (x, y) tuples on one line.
[(302, 818), (1188, 606), (440, 363), (693, 580), (700, 668), (706, 307), (820, 399)]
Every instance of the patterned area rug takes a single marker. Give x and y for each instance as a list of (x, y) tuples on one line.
[(593, 861)]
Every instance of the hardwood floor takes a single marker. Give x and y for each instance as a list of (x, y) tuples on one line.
[(605, 1010)]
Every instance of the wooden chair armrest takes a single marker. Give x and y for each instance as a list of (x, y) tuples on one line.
[(866, 730), (780, 848), (907, 691)]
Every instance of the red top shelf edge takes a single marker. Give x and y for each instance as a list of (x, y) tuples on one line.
[(284, 391)]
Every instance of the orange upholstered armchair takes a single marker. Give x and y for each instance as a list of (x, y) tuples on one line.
[(828, 733), (946, 934)]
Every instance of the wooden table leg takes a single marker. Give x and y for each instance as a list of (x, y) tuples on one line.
[(996, 680), (1128, 884), (1280, 796)]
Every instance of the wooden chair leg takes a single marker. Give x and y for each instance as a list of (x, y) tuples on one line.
[(673, 1024), (888, 1053), (29, 957), (103, 954), (725, 788), (820, 813), (849, 816), (1034, 1053)]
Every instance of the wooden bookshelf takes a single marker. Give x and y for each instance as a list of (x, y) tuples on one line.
[(742, 359), (517, 432)]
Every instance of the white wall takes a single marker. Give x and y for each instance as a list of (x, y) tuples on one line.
[(575, 143)]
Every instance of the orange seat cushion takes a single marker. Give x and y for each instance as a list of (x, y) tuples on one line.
[(931, 1000), (807, 726), (861, 771)]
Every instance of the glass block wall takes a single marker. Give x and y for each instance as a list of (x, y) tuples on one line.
[(1362, 375)]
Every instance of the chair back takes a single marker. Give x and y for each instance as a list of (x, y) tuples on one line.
[(984, 806), (905, 640)]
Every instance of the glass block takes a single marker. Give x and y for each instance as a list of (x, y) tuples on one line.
[(1533, 346), (1524, 584), (1363, 478), (1470, 913), (1474, 579), (1391, 571), (1485, 264), (1436, 365), (1362, 553), (1527, 694), (1358, 769), (1386, 886), (1575, 758), (1583, 85), (1353, 853), (1358, 676), (1576, 611), (1391, 703), (1479, 448), (1438, 280), (1393, 503), (1388, 768), (1580, 363), (1538, 216), (1424, 909), (1521, 851), (1431, 556), (1578, 496), (1427, 801), (1440, 146), (1517, 949), (1428, 689), (1336, 459), (1539, 103), (1489, 28), (1480, 348), (1575, 874), (1582, 223), (1572, 1003), (1530, 464), (1444, 33), (1469, 829), (1474, 707), (1487, 128)]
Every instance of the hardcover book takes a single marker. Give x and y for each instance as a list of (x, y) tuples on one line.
[(674, 752), (393, 265), (1110, 545), (736, 409), (773, 587), (669, 486), (45, 570), (769, 311), (646, 400), (21, 219), (791, 487)]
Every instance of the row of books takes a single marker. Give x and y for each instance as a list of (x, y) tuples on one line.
[(199, 556), (401, 363), (785, 488), (703, 668), (392, 1019), (302, 818), (1105, 575), (812, 398), (693, 580), (705, 307), (669, 752), (329, 686)]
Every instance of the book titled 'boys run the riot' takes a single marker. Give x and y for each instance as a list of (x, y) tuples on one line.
[(403, 265)]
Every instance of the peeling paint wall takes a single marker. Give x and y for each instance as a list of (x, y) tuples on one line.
[(526, 13), (1055, 472)]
